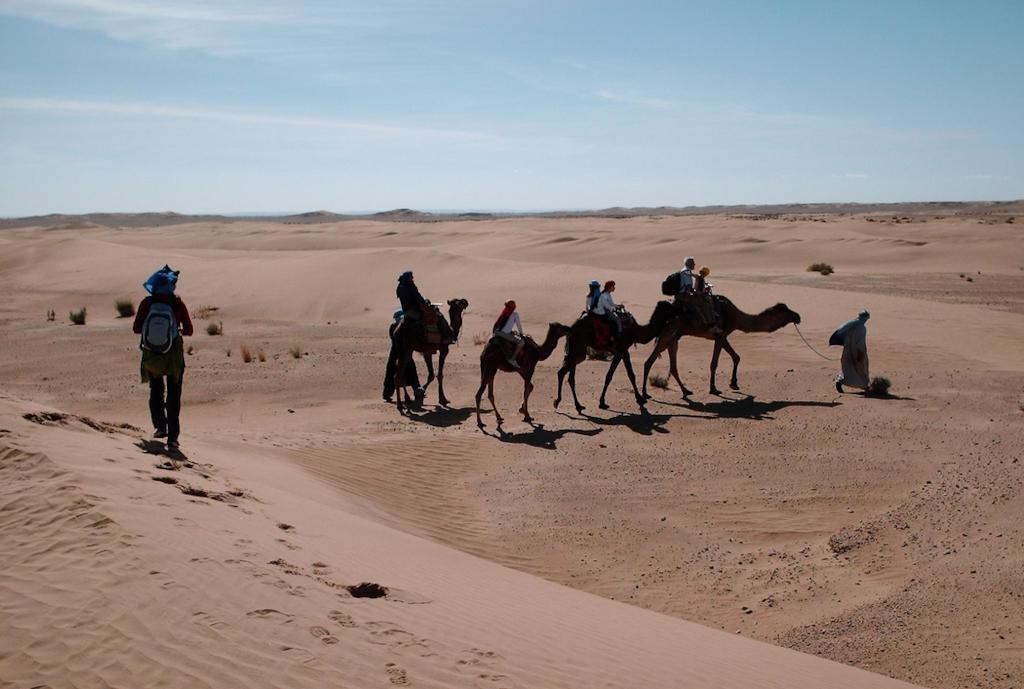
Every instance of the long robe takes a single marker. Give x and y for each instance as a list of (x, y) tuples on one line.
[(855, 355)]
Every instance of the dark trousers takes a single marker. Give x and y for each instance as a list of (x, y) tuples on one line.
[(411, 377), (165, 412)]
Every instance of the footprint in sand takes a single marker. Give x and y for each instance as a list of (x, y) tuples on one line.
[(389, 634), (271, 615), (298, 655), (208, 620), (396, 675), (485, 668), (324, 635), (342, 619)]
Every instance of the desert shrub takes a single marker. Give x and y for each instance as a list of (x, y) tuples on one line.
[(295, 351), (880, 386), (215, 328), (823, 268), (261, 355), (246, 353), (204, 312), (51, 315), (598, 354), (125, 308), (659, 381), (191, 350), (227, 350), (78, 317), (481, 338)]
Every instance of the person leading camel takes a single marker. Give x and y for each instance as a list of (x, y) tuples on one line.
[(853, 336), (412, 377), (509, 329)]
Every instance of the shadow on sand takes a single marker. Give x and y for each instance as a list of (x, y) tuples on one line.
[(439, 417), (747, 407), (642, 422), (539, 436), (155, 447)]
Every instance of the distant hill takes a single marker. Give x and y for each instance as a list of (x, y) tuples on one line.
[(87, 220)]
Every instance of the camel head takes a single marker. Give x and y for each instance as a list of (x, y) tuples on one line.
[(558, 329), (780, 316), (455, 308)]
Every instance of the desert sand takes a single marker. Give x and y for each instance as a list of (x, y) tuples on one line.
[(779, 535)]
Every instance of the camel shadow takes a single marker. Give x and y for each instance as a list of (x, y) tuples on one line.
[(440, 417), (644, 423), (539, 436), (748, 407), (154, 447)]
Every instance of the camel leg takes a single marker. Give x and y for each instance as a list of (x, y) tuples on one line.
[(442, 355), (490, 396), (486, 377), (572, 388), (527, 389), (428, 361), (608, 379), (734, 383), (714, 366), (628, 363), (655, 353), (673, 367)]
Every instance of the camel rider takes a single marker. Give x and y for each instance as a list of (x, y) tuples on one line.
[(508, 329), (414, 305), (693, 291), (592, 296), (606, 307)]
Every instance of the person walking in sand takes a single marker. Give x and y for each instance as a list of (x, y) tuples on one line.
[(162, 320), (852, 336), (412, 377)]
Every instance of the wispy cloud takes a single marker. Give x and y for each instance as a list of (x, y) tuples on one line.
[(630, 99), (222, 27), (154, 110)]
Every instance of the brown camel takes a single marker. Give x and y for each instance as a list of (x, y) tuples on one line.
[(581, 337), (493, 359), (407, 340), (731, 320)]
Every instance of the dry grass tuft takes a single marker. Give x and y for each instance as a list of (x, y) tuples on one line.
[(246, 353), (204, 312), (215, 328), (77, 317), (51, 315), (659, 381), (125, 308), (295, 351), (880, 386), (823, 268), (481, 338), (261, 355), (598, 354)]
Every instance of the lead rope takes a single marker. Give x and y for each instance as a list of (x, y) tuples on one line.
[(810, 346)]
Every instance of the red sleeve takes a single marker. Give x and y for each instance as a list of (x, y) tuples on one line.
[(181, 313), (140, 316)]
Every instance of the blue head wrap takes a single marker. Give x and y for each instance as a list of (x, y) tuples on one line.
[(162, 282), (594, 283)]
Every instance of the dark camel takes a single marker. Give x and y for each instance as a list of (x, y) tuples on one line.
[(581, 337), (493, 359), (731, 320), (407, 340)]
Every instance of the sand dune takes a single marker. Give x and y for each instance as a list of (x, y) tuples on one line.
[(577, 551)]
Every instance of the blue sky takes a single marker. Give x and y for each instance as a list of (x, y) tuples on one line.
[(252, 105)]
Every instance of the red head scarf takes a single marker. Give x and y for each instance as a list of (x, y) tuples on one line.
[(510, 306), (610, 283)]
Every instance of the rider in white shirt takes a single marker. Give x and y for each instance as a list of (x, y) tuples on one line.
[(606, 306), (509, 328)]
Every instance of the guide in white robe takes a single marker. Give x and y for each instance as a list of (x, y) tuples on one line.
[(853, 336)]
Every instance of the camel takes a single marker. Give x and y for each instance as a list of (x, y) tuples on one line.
[(493, 359), (407, 340), (581, 337), (731, 320)]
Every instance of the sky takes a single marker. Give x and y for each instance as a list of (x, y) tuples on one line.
[(230, 106)]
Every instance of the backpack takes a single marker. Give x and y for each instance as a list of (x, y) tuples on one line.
[(670, 286), (160, 329)]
